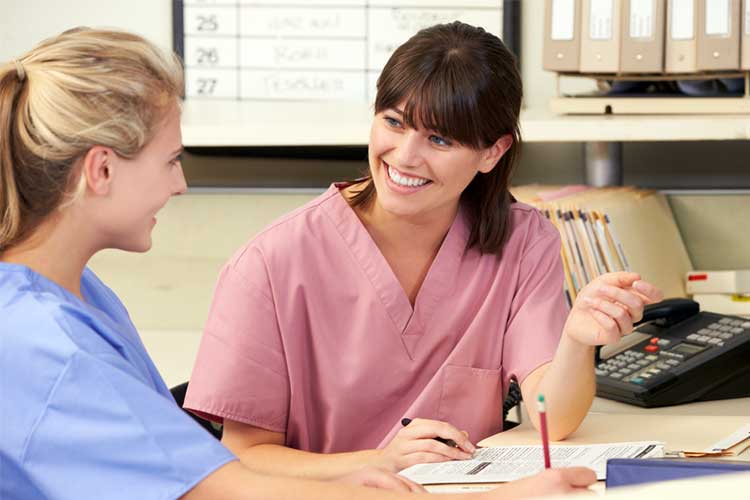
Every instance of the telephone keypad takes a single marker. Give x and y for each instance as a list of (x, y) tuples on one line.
[(640, 367)]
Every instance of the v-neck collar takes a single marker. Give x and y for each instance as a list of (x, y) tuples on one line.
[(409, 323)]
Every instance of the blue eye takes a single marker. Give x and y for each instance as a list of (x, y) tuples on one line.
[(392, 121), (436, 139)]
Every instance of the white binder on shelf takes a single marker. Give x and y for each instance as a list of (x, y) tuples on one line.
[(642, 44), (680, 49), (600, 36), (562, 35), (719, 35)]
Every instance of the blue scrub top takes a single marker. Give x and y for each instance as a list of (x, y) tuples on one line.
[(83, 411)]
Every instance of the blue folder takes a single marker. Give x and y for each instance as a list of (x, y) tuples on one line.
[(630, 471)]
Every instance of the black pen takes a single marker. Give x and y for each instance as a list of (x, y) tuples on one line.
[(406, 421)]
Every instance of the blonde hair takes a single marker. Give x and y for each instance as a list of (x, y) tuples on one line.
[(80, 89)]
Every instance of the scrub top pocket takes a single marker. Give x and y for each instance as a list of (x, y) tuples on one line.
[(472, 400)]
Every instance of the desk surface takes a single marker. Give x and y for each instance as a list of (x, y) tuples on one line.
[(678, 432), (728, 407)]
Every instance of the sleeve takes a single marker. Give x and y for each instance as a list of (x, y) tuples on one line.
[(240, 372), (105, 433), (538, 311)]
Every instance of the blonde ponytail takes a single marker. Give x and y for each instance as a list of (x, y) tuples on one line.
[(10, 87), (80, 89)]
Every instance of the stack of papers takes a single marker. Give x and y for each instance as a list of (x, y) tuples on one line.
[(508, 463)]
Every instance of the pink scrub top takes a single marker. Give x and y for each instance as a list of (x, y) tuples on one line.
[(311, 334)]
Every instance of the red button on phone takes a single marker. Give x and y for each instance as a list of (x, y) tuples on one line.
[(651, 348), (654, 340)]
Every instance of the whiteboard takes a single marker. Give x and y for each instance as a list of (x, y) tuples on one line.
[(305, 50)]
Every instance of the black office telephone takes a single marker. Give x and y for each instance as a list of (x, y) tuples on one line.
[(688, 356)]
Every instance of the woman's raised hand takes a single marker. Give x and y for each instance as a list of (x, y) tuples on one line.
[(606, 308)]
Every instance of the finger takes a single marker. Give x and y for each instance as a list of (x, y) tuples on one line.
[(650, 291), (422, 457), (615, 311), (615, 294), (424, 428), (607, 331), (578, 477), (620, 278), (411, 485), (433, 446), (645, 299), (385, 481)]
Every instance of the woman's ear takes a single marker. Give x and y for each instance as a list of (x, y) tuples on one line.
[(492, 154), (98, 168)]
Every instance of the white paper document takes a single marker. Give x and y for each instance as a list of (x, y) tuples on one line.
[(508, 463), (735, 438)]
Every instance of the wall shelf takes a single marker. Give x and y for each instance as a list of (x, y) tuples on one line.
[(259, 124)]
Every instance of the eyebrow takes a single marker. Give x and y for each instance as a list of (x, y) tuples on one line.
[(399, 111)]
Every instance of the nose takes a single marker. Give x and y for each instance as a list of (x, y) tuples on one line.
[(410, 149), (180, 186)]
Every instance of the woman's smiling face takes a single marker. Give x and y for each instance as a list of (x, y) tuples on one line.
[(416, 171)]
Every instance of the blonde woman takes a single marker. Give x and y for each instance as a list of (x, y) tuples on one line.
[(89, 153)]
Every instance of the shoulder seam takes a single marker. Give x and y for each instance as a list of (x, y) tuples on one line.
[(37, 422)]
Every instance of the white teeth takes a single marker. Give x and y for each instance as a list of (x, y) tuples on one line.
[(405, 181)]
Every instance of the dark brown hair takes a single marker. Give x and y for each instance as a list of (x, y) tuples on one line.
[(463, 83)]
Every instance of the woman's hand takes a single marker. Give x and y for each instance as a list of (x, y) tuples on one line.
[(415, 444), (606, 308), (547, 482), (374, 477)]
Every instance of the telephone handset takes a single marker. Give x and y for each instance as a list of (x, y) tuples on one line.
[(688, 355)]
